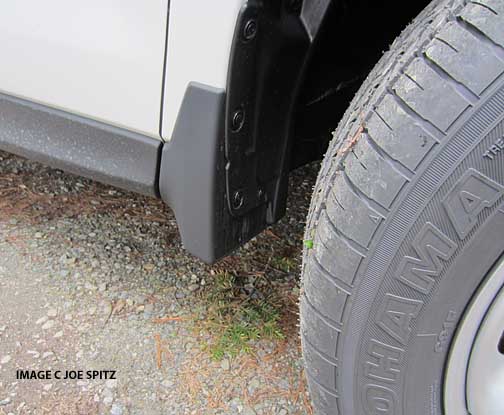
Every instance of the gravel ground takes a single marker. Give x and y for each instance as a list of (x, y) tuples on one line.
[(95, 278)]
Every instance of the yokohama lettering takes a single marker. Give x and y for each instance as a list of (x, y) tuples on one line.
[(419, 270)]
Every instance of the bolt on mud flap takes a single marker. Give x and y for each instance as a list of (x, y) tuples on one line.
[(192, 178), (225, 170)]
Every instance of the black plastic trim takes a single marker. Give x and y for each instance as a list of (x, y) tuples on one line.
[(192, 179), (272, 46), (80, 145)]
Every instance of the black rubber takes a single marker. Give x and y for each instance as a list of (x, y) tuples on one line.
[(407, 216)]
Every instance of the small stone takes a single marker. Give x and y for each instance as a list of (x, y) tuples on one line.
[(47, 387), (253, 385), (5, 401), (52, 312), (38, 235), (47, 354), (167, 383), (193, 287), (48, 325), (92, 310), (247, 410), (58, 335), (108, 400), (102, 287), (90, 287), (41, 320), (5, 360), (225, 364), (68, 317), (116, 409), (149, 267), (111, 383), (33, 353), (149, 308)]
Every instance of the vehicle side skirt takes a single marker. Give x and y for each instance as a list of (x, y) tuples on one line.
[(80, 145)]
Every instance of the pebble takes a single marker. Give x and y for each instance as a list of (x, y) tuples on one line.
[(116, 409), (193, 287), (5, 401), (247, 410), (253, 385), (5, 360), (167, 383), (48, 325), (41, 320), (111, 383), (52, 312), (225, 364), (58, 335)]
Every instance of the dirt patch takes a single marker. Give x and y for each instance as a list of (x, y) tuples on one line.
[(95, 278)]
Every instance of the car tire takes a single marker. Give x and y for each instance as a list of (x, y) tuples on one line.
[(407, 216)]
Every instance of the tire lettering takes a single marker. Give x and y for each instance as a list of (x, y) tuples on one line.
[(396, 314), (494, 149), (384, 362), (431, 246), (379, 400), (471, 194)]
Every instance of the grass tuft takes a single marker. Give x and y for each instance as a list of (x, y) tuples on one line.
[(236, 315)]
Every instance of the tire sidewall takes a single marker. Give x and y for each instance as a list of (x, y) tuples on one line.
[(412, 383)]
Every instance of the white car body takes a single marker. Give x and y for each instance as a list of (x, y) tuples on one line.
[(108, 60)]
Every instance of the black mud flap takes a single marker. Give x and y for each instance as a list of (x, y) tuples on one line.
[(193, 179), (225, 171)]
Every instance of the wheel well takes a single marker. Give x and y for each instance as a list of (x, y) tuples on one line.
[(354, 37)]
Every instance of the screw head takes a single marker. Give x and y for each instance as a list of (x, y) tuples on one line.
[(238, 199), (250, 29), (238, 120)]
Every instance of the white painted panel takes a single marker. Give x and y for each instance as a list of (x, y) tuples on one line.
[(199, 44), (98, 58)]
